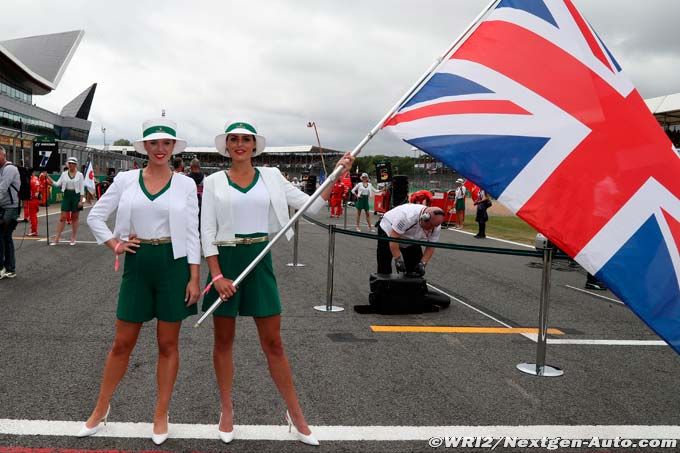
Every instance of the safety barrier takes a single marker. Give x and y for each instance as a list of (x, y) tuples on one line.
[(548, 254)]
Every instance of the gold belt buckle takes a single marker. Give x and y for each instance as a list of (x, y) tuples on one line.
[(246, 241), (155, 242)]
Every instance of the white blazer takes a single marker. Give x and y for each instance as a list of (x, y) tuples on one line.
[(216, 210), (78, 180), (183, 213)]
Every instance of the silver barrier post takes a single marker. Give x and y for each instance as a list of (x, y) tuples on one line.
[(329, 275), (540, 368), (296, 232), (345, 221)]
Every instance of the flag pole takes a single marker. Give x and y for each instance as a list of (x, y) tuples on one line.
[(338, 170)]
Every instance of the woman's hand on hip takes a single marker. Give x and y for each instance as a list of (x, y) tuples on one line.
[(225, 288), (120, 247), (193, 292)]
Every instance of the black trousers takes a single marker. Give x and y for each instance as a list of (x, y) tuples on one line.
[(412, 255), (482, 230)]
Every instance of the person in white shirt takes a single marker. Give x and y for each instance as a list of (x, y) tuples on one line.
[(71, 182), (241, 207), (362, 191), (157, 230), (408, 221)]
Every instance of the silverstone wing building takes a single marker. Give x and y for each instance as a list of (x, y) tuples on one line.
[(33, 66)]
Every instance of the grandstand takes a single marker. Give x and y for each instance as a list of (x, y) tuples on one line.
[(666, 109), (294, 160)]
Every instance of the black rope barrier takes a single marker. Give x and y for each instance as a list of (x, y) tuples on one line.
[(439, 245)]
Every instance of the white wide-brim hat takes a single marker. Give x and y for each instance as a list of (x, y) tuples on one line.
[(364, 175), (72, 160), (240, 127), (159, 129), (460, 181)]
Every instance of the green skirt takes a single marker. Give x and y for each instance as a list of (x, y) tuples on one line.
[(70, 200), (362, 203), (258, 294), (460, 204), (154, 286)]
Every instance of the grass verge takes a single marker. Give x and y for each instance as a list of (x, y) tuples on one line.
[(511, 228)]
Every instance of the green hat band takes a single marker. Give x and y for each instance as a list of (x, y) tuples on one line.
[(240, 126), (157, 129)]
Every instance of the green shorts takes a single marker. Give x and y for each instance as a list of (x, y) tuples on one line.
[(460, 204), (70, 200), (362, 203), (258, 294), (154, 286)]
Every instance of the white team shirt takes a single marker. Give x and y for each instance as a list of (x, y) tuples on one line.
[(253, 207), (360, 190), (65, 182), (150, 219), (460, 192), (405, 220)]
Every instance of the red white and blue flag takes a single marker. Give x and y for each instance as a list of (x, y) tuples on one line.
[(534, 108)]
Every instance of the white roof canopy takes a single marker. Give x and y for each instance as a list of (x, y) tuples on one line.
[(666, 108)]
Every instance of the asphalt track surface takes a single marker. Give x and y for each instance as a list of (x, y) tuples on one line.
[(58, 319)]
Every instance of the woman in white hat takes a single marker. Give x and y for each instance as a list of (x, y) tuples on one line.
[(362, 191), (72, 184), (157, 229), (241, 207)]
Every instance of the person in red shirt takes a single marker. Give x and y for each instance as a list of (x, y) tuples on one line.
[(338, 193), (423, 197), (32, 205), (44, 188)]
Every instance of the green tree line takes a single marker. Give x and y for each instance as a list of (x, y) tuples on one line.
[(400, 165)]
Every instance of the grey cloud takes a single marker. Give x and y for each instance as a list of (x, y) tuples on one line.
[(283, 63)]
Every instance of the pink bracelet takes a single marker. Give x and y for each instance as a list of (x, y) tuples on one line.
[(116, 264), (207, 288)]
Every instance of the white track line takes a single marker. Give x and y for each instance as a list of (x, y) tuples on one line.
[(608, 342), (594, 294), (59, 212), (347, 433), (495, 239), (532, 337)]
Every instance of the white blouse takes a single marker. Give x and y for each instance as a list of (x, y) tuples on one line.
[(255, 202), (150, 219), (65, 182), (360, 190), (125, 193), (218, 215)]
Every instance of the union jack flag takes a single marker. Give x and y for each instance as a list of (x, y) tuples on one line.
[(534, 108)]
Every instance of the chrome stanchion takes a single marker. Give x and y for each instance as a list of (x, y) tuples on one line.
[(329, 275), (344, 225), (296, 231), (540, 368)]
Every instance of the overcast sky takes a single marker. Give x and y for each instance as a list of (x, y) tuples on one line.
[(282, 63)]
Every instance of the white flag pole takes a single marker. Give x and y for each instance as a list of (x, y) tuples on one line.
[(336, 173)]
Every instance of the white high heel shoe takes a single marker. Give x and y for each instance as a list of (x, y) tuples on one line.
[(308, 439), (225, 436), (85, 431), (160, 438)]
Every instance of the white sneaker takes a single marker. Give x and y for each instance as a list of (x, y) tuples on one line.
[(2, 273)]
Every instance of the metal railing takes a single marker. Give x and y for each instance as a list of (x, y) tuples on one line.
[(548, 254)]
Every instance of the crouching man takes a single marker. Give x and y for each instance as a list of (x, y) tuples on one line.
[(408, 221)]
